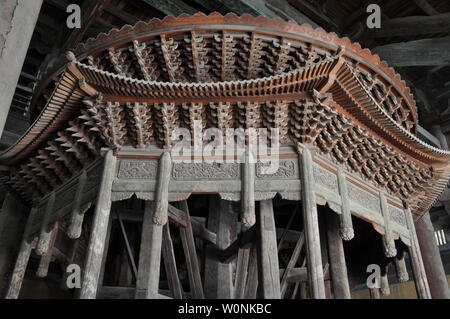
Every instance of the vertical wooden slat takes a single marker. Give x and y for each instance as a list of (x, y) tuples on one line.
[(268, 268), (310, 220), (99, 230)]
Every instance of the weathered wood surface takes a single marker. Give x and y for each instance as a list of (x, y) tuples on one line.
[(248, 189), (420, 276), (413, 26), (243, 241), (77, 215), (127, 245), (291, 264), (401, 270), (268, 268), (388, 237), (147, 283), (425, 52), (339, 277), (105, 253), (44, 263), (218, 276), (160, 216), (190, 253), (384, 282), (311, 224), (22, 260), (252, 281), (46, 231), (99, 229), (171, 264), (243, 257), (346, 224)]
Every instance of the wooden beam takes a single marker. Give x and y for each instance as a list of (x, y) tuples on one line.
[(172, 7), (127, 245), (243, 258), (413, 26), (287, 12), (425, 52), (248, 189), (291, 264), (45, 233), (99, 229), (252, 279), (243, 241), (345, 224), (314, 14), (77, 214), (90, 10), (46, 259), (388, 237), (268, 268), (119, 13), (426, 7), (243, 6)]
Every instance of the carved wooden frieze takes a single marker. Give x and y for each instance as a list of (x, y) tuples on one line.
[(137, 169), (397, 215), (199, 171), (284, 169), (364, 198), (325, 178)]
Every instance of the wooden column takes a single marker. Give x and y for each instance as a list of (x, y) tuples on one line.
[(388, 237), (147, 283), (437, 279), (218, 276), (346, 224), (171, 264), (46, 232), (310, 220), (99, 230), (77, 215), (384, 282), (162, 189), (47, 257), (401, 270), (22, 259), (339, 278), (420, 277), (248, 190), (268, 268)]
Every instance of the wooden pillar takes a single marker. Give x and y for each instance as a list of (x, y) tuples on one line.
[(47, 257), (13, 217), (252, 281), (310, 220), (147, 283), (99, 230), (384, 282), (420, 277), (22, 259), (248, 190), (339, 278), (437, 279), (218, 276), (77, 215), (171, 264), (268, 268), (401, 270), (162, 189), (105, 253), (388, 237), (346, 224), (46, 232)]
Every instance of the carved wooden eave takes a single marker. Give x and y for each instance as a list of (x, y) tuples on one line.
[(130, 88)]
